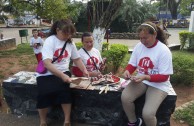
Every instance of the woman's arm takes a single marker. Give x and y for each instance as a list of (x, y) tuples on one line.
[(78, 62), (48, 64)]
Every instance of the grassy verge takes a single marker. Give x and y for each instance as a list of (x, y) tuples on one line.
[(22, 57), (22, 49), (186, 114)]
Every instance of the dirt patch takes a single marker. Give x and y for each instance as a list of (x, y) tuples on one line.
[(10, 66)]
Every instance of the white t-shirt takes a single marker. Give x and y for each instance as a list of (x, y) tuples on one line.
[(52, 48), (37, 40), (155, 60), (95, 54)]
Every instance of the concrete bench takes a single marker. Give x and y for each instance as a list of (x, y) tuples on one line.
[(7, 43), (88, 106)]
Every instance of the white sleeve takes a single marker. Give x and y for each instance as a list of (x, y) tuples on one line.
[(40, 40), (31, 41), (48, 49), (74, 52), (133, 58), (165, 63)]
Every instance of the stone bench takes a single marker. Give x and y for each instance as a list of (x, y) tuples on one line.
[(7, 43), (88, 106)]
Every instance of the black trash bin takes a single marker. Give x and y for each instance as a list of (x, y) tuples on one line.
[(23, 33)]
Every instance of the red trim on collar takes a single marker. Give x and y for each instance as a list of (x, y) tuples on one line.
[(154, 44)]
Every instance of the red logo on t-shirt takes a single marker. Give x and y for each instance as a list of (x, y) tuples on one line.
[(90, 62), (58, 52), (145, 64)]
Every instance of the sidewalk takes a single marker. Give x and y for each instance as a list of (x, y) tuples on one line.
[(14, 33)]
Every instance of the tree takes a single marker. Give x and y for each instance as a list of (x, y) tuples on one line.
[(103, 18), (53, 10), (186, 6), (49, 9), (173, 7), (133, 13)]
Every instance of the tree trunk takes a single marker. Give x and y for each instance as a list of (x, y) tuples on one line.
[(173, 7), (105, 20), (98, 35)]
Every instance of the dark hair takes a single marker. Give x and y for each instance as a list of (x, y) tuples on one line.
[(65, 25), (86, 34), (161, 36), (34, 30)]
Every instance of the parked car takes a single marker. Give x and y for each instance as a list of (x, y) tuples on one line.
[(43, 33)]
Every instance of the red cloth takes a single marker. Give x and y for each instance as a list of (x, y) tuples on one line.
[(76, 71), (130, 68), (158, 78)]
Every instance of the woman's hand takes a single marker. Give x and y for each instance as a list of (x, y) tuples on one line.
[(103, 64), (86, 74), (140, 78), (95, 74), (126, 74), (66, 78)]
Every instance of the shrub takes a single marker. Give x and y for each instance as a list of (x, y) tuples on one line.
[(183, 66), (105, 46), (78, 45), (115, 55), (183, 38), (187, 40), (191, 41), (186, 114)]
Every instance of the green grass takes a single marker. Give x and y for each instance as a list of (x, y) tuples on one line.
[(22, 49), (186, 114), (19, 52)]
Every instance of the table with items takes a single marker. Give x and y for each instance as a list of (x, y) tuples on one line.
[(96, 102)]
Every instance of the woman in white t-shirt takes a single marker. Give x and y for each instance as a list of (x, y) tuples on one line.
[(90, 56), (36, 42), (152, 60), (54, 85)]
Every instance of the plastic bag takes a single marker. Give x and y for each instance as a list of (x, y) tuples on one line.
[(40, 68)]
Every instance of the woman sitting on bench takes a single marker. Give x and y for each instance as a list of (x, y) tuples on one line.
[(153, 61)]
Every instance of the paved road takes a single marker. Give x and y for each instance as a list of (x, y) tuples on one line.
[(14, 33)]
